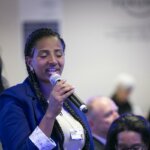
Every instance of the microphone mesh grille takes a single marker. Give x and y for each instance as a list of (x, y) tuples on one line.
[(54, 78)]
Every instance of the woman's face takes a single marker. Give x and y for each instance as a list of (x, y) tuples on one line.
[(48, 58), (130, 140)]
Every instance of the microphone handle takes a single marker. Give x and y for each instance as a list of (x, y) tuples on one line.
[(73, 97), (76, 100)]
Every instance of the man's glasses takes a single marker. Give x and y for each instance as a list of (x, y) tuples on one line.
[(133, 147)]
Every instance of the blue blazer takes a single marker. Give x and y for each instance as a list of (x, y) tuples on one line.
[(20, 114)]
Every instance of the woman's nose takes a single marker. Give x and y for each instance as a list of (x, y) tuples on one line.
[(52, 60)]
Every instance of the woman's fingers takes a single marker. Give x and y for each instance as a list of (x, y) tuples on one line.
[(63, 87), (66, 90), (68, 94), (61, 90), (59, 93)]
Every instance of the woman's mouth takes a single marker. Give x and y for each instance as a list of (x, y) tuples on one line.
[(51, 71)]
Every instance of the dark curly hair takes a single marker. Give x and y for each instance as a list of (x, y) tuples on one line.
[(36, 36), (128, 122)]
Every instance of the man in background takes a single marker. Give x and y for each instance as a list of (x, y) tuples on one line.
[(102, 112)]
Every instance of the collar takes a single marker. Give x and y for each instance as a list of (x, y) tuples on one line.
[(101, 139)]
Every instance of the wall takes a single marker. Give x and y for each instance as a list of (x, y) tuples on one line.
[(104, 38)]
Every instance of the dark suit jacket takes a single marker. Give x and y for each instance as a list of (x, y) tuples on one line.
[(98, 145), (20, 114)]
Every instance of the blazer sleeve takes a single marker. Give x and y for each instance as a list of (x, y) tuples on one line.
[(14, 126)]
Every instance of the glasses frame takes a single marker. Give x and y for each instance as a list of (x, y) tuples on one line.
[(142, 147)]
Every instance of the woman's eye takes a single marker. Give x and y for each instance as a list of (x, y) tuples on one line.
[(43, 55), (59, 53)]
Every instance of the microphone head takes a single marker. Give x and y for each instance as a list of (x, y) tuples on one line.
[(84, 108), (54, 78)]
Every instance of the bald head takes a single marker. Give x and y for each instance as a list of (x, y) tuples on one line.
[(101, 104), (103, 111)]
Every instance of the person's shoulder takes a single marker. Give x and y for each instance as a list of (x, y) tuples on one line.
[(97, 144), (5, 82), (17, 90)]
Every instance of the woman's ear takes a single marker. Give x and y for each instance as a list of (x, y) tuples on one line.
[(29, 62)]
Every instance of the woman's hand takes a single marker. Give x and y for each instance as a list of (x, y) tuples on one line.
[(59, 93)]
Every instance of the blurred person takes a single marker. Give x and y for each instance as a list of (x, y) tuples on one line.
[(102, 112), (1, 77), (125, 85), (3, 81), (36, 114), (148, 116), (3, 84), (129, 132)]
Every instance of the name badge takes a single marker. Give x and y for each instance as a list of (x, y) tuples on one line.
[(76, 134)]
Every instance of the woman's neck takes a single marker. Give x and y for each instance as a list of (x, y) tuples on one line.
[(46, 89)]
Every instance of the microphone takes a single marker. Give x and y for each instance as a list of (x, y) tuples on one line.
[(54, 78)]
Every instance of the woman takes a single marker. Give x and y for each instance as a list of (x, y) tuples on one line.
[(37, 115), (125, 84), (129, 132)]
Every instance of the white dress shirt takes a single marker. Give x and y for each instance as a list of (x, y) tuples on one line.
[(74, 136), (41, 141)]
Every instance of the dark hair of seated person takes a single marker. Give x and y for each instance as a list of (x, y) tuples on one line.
[(128, 122)]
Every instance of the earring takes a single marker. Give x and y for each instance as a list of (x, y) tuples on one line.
[(31, 68)]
